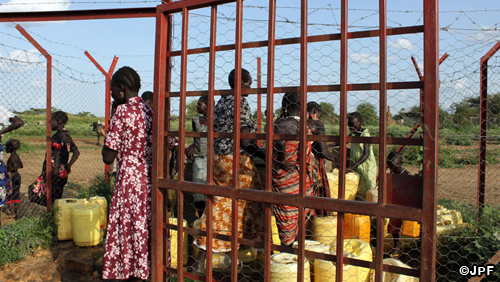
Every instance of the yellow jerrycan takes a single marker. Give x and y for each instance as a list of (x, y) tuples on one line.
[(353, 248), (284, 268), (104, 210), (173, 243), (63, 208), (393, 277), (351, 184), (324, 229), (313, 246), (357, 226), (86, 224)]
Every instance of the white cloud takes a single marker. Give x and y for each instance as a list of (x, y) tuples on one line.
[(21, 61), (25, 56), (364, 58), (34, 6), (484, 36), (401, 44)]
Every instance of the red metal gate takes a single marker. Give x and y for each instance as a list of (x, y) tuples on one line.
[(388, 205)]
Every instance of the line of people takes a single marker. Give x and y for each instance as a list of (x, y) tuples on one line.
[(129, 140)]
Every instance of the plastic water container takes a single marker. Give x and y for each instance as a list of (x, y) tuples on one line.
[(448, 220), (284, 268), (104, 210), (325, 270), (313, 246), (357, 226), (353, 248), (275, 234), (393, 277), (324, 229), (86, 224), (63, 209), (173, 243), (351, 184), (410, 228)]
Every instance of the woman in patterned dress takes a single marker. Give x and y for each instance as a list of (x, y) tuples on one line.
[(286, 169), (250, 214), (129, 139)]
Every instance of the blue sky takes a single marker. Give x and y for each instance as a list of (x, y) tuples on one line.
[(78, 85)]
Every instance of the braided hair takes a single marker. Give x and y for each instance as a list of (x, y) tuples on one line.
[(128, 77)]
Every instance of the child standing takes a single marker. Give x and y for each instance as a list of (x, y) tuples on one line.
[(362, 159), (62, 146), (14, 163), (395, 165), (198, 152)]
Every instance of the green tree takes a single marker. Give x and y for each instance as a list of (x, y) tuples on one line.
[(328, 112), (191, 109), (368, 113), (262, 114)]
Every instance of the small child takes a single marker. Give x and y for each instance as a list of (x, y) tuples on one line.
[(362, 159), (198, 152), (147, 98), (14, 163), (395, 165)]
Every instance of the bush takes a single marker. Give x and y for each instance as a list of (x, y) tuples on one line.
[(22, 238), (473, 245), (459, 141), (99, 186)]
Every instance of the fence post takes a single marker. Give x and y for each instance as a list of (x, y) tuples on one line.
[(48, 143), (107, 113), (483, 124)]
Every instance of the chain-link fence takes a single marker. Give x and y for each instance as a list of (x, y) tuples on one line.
[(24, 84)]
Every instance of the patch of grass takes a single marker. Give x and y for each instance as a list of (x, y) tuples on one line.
[(22, 238), (473, 245)]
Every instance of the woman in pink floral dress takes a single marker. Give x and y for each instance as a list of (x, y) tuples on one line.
[(129, 139)]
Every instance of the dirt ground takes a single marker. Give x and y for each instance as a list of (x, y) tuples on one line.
[(88, 165)]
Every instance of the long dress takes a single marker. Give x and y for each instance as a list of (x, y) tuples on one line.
[(288, 182), (367, 170), (250, 214), (127, 251)]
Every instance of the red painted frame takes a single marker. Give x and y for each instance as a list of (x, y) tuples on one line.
[(382, 209), (163, 55)]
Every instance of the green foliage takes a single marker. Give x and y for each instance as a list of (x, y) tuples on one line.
[(192, 109), (78, 125), (99, 186), (473, 245), (368, 112), (459, 141), (85, 114), (22, 238), (328, 114)]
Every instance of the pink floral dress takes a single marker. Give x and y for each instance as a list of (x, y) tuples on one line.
[(127, 251)]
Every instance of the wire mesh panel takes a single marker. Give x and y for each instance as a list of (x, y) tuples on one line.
[(316, 186), (24, 82)]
